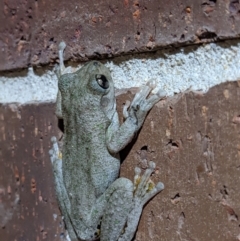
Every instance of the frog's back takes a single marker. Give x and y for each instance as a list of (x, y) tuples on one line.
[(87, 103)]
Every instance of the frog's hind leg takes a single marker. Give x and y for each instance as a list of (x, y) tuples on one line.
[(120, 197), (63, 201), (144, 190), (125, 204)]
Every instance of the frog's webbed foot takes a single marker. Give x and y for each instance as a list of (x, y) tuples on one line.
[(56, 160), (142, 103), (144, 187), (141, 99), (61, 68), (61, 48), (144, 190)]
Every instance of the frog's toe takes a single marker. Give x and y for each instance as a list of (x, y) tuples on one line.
[(144, 187)]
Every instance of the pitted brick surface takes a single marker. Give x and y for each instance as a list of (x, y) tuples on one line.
[(193, 138), (31, 30)]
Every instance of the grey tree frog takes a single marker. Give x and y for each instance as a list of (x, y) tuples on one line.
[(95, 202)]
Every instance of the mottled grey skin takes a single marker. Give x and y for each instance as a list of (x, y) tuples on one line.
[(90, 194)]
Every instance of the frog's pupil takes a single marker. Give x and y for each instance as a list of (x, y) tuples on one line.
[(102, 81)]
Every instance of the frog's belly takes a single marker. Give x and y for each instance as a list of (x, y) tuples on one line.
[(104, 173)]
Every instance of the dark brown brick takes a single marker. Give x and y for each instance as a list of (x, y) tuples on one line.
[(31, 30), (194, 139)]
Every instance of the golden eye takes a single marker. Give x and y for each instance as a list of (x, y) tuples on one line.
[(102, 81)]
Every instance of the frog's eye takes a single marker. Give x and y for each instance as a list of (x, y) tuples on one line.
[(102, 81)]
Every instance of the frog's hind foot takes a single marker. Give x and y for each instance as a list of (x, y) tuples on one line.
[(144, 187), (144, 190)]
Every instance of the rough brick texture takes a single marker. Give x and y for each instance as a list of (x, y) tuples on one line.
[(194, 140), (31, 30)]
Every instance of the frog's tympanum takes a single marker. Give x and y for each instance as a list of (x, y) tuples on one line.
[(95, 202)]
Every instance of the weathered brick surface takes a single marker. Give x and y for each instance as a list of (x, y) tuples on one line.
[(25, 171), (194, 140), (31, 30)]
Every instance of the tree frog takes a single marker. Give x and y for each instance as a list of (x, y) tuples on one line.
[(95, 202)]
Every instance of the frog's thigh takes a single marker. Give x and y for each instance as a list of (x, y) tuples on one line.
[(117, 210)]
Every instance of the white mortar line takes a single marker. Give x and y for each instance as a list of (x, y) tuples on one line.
[(195, 67)]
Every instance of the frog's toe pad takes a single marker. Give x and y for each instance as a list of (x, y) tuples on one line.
[(144, 187)]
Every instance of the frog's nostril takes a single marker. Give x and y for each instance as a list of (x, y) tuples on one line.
[(95, 63)]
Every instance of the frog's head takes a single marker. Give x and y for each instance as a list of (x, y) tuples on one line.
[(91, 86), (88, 87)]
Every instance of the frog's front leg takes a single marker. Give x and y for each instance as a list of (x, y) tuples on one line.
[(63, 200), (135, 113)]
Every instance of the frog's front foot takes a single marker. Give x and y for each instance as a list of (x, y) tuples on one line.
[(142, 103)]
